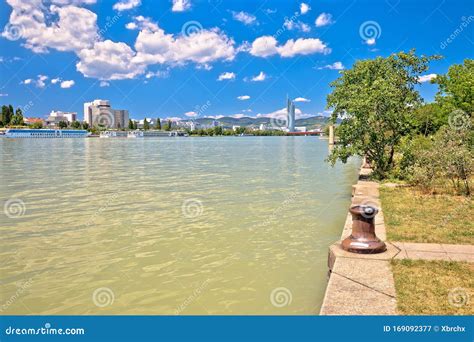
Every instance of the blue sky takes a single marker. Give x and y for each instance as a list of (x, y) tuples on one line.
[(165, 58)]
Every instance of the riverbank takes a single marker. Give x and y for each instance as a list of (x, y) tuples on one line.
[(393, 282)]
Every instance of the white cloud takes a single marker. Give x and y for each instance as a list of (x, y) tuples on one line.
[(67, 84), (264, 46), (244, 17), (109, 61), (267, 46), (39, 82), (104, 84), (191, 114), (301, 99), (226, 76), (277, 113), (3, 94), (202, 47), (131, 26), (260, 77), (303, 46), (426, 78), (243, 97), (298, 25), (181, 5), (142, 23), (67, 28), (55, 80), (304, 8), (158, 74), (370, 41), (323, 19), (125, 5), (238, 116), (71, 28), (333, 66)]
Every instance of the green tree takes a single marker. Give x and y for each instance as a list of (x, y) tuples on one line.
[(135, 125), (76, 124), (130, 124), (456, 88), (11, 112), (5, 115), (146, 125), (85, 125), (37, 125), (17, 119), (62, 124), (375, 101), (168, 126), (158, 124), (429, 118)]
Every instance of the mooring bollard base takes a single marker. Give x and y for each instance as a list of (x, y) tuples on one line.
[(354, 245)]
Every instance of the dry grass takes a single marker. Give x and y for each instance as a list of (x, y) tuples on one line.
[(434, 287), (412, 216)]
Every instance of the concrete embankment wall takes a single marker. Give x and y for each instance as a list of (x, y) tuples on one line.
[(361, 284)]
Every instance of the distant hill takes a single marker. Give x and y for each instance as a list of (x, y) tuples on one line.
[(247, 121)]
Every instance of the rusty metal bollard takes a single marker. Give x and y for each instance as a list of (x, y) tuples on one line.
[(363, 238)]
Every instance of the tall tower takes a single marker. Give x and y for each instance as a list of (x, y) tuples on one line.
[(290, 112)]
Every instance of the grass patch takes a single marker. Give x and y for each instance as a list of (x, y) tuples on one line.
[(416, 217), (434, 287)]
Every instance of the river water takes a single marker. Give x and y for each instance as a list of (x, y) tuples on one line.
[(212, 225)]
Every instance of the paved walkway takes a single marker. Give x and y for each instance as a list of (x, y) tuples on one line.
[(434, 251)]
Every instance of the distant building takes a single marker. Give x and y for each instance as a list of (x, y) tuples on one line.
[(214, 123), (300, 129), (151, 122), (31, 121), (55, 117), (263, 127), (99, 112), (235, 127), (290, 110)]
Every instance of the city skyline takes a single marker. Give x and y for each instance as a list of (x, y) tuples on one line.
[(174, 60)]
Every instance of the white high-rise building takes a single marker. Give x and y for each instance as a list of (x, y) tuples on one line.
[(99, 112), (290, 110)]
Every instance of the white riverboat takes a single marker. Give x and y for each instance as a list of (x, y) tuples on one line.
[(45, 133), (155, 134), (113, 134)]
